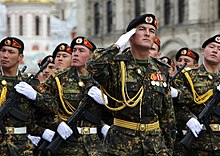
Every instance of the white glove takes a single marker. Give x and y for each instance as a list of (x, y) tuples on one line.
[(218, 87), (194, 126), (96, 94), (34, 139), (123, 39), (26, 89), (105, 129), (174, 92), (48, 135), (64, 130)]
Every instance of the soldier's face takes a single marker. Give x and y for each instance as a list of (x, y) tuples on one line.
[(154, 51), (144, 36), (48, 70), (10, 57), (80, 55), (63, 60), (186, 59), (212, 53)]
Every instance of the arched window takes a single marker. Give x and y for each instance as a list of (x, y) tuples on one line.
[(109, 16), (137, 7), (97, 18), (181, 7), (167, 12), (48, 26), (37, 25), (20, 25)]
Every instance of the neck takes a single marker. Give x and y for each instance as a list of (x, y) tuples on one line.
[(140, 53), (9, 71), (211, 68), (81, 71)]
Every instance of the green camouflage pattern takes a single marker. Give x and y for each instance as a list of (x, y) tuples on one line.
[(73, 93), (203, 81), (14, 144), (156, 103)]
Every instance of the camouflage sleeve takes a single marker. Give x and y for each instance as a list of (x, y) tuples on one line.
[(167, 121), (98, 64)]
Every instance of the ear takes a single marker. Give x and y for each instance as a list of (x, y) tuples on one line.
[(20, 57), (203, 51)]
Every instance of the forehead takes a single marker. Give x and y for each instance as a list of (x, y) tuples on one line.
[(146, 26), (9, 48), (80, 47), (214, 44), (62, 53), (186, 58)]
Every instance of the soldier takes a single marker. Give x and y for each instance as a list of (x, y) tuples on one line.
[(171, 63), (64, 90), (195, 89), (18, 119), (138, 92), (62, 56), (155, 49), (49, 69)]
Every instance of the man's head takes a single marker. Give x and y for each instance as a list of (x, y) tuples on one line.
[(62, 56), (211, 50), (50, 67), (146, 26), (155, 49), (11, 52), (169, 62), (186, 55), (82, 50)]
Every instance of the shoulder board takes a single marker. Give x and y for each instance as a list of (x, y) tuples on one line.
[(186, 69), (60, 72), (161, 62)]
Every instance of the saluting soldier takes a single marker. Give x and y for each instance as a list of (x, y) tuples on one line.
[(64, 91), (19, 118), (138, 92), (194, 89)]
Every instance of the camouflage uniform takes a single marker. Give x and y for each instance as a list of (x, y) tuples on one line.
[(16, 144), (73, 93), (156, 103), (207, 142)]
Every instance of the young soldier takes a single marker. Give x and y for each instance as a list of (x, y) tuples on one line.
[(155, 49), (195, 88), (65, 90), (138, 91)]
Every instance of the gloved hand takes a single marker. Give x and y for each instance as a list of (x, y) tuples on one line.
[(174, 92), (105, 129), (48, 135), (34, 139), (64, 130), (218, 87), (123, 39), (96, 94), (26, 89), (194, 126)]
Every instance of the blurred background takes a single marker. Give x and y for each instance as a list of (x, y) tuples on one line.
[(43, 24)]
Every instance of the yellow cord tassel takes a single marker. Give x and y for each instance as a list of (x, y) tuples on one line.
[(3, 95), (199, 99)]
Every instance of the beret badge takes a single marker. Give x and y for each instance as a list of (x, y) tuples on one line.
[(79, 40), (62, 47)]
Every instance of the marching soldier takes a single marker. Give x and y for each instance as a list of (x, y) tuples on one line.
[(155, 49), (65, 90), (195, 88), (138, 92), (171, 63)]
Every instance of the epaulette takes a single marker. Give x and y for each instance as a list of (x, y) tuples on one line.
[(186, 69), (158, 60), (59, 72)]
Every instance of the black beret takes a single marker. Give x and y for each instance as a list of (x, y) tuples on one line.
[(62, 47), (13, 42), (83, 41), (145, 18), (168, 60), (187, 52), (215, 38), (45, 59)]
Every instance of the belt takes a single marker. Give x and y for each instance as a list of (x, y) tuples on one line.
[(215, 127), (87, 130), (16, 130), (136, 126)]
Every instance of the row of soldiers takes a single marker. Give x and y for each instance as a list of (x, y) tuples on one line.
[(129, 89)]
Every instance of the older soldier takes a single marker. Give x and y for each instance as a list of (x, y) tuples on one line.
[(155, 49), (195, 90), (15, 141), (62, 56), (65, 89), (138, 92)]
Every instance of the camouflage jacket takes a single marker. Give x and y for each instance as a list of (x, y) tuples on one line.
[(202, 81), (156, 101)]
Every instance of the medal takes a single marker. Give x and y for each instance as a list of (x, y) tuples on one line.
[(165, 84), (4, 82), (81, 84), (153, 83), (157, 83)]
